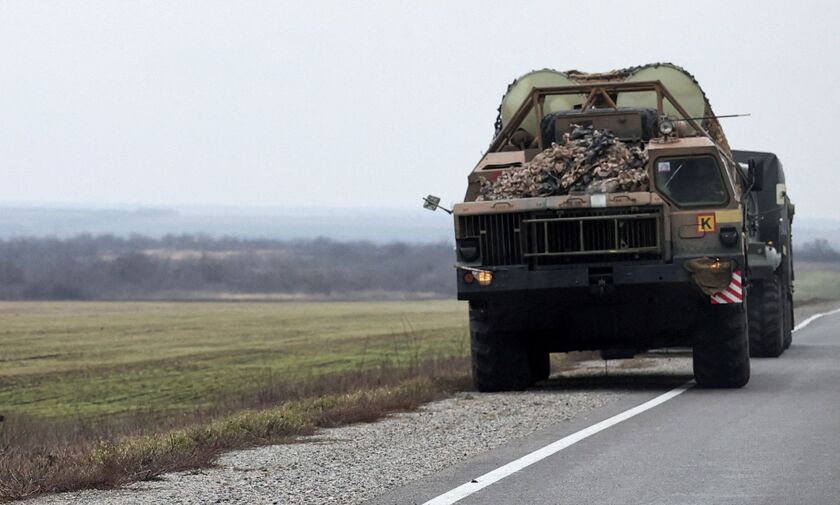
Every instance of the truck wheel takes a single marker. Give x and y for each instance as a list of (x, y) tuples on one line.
[(499, 359), (540, 363), (767, 319), (721, 349), (788, 335)]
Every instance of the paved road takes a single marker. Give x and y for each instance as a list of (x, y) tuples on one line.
[(776, 441)]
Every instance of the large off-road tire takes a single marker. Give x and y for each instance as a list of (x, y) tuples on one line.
[(721, 348), (500, 360), (767, 319), (788, 330), (540, 364)]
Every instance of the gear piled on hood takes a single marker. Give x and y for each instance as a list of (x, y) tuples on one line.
[(587, 160)]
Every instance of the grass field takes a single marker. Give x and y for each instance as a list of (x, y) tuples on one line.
[(816, 286), (93, 359)]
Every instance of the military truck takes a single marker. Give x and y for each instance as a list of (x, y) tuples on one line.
[(561, 267), (769, 214)]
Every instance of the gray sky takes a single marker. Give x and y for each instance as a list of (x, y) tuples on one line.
[(368, 103)]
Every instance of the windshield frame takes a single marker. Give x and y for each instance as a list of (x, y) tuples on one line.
[(662, 192)]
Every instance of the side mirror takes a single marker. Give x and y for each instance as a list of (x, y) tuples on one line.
[(755, 175), (432, 203)]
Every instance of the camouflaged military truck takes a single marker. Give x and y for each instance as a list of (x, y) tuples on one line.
[(652, 241)]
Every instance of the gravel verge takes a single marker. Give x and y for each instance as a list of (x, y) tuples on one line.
[(355, 463)]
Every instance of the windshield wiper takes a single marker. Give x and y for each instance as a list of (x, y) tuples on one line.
[(668, 182)]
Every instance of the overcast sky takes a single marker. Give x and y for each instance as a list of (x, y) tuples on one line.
[(372, 103)]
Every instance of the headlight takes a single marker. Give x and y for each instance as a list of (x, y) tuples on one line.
[(484, 278), (666, 126)]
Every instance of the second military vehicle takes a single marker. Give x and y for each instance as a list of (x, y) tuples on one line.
[(769, 217), (609, 213)]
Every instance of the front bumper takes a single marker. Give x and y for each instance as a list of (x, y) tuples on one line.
[(598, 280)]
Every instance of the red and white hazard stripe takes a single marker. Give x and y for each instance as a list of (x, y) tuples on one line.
[(732, 294)]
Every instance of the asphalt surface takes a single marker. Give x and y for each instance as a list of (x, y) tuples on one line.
[(776, 441)]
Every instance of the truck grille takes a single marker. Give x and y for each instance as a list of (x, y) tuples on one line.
[(566, 236), (499, 237)]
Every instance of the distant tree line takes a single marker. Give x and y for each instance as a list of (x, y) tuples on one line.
[(188, 266), (817, 250)]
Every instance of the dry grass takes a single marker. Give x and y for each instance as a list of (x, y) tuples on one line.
[(53, 455)]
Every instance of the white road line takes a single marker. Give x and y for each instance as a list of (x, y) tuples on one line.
[(527, 460), (500, 473), (814, 318)]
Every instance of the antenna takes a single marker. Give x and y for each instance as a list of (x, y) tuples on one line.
[(717, 117)]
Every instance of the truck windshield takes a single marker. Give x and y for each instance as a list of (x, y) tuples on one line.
[(690, 181)]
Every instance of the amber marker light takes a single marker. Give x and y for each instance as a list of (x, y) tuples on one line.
[(484, 278), (469, 278), (719, 264)]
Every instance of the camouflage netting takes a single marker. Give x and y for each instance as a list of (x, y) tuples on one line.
[(710, 123), (588, 160)]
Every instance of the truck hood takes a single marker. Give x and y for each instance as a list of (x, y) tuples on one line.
[(573, 201)]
